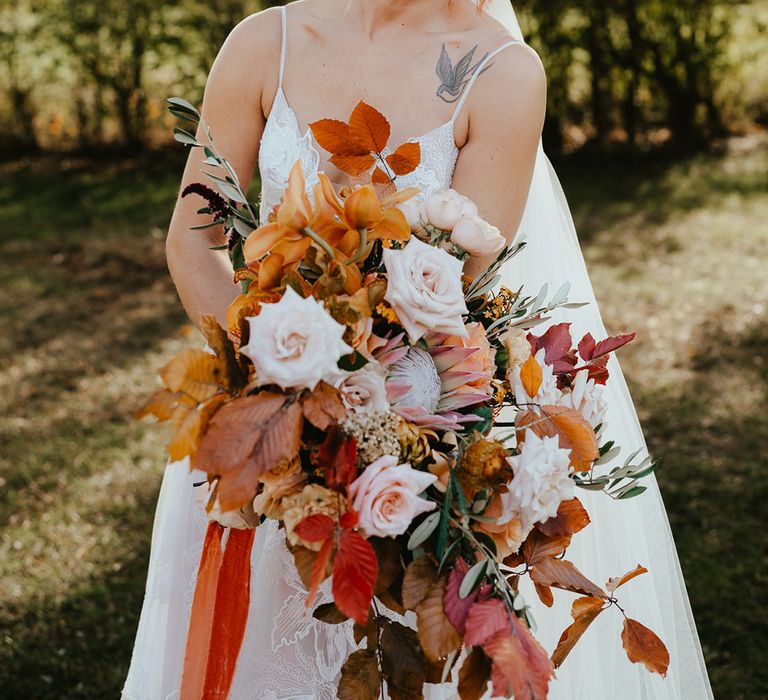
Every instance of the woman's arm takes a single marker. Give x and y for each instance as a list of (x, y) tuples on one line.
[(232, 107), (506, 115)]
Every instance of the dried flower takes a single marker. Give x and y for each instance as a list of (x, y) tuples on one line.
[(376, 434), (312, 499), (484, 465)]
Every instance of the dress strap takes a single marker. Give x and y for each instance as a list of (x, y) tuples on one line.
[(282, 45), (481, 66)]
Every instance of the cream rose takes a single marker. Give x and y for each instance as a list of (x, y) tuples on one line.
[(386, 497), (444, 208), (365, 390), (424, 289), (477, 236), (517, 345), (542, 481), (294, 342), (413, 210)]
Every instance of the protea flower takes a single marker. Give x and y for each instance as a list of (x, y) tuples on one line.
[(429, 386)]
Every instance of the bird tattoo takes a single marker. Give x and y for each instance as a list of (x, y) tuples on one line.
[(453, 79)]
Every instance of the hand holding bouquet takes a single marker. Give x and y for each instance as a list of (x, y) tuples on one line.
[(418, 443)]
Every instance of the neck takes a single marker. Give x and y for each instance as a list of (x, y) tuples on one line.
[(377, 15)]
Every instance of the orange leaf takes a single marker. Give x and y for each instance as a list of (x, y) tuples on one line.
[(583, 611), (614, 583), (531, 376), (353, 164), (437, 635), (355, 569), (323, 406), (571, 518), (474, 675), (575, 433), (561, 573), (643, 646), (379, 177), (405, 159), (188, 423), (521, 667), (368, 128), (418, 580), (160, 405), (333, 136), (195, 372)]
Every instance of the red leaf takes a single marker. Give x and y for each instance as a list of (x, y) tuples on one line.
[(316, 528), (521, 667), (587, 347), (643, 646), (486, 619), (598, 370), (355, 569), (557, 347), (612, 344), (337, 456), (319, 570), (456, 607), (349, 520)]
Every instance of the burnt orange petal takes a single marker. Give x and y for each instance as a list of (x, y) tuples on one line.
[(399, 196), (362, 208), (394, 225), (261, 241), (295, 210), (354, 279), (291, 251), (270, 271)]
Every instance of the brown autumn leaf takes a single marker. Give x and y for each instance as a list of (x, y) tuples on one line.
[(188, 424), (161, 405), (571, 518), (323, 406), (437, 635), (329, 613), (418, 580), (403, 662), (643, 646), (531, 376), (390, 567), (405, 159), (521, 667), (360, 676), (195, 372), (305, 559), (538, 546), (563, 574), (232, 377), (584, 611), (333, 136), (368, 128), (379, 177), (614, 583), (474, 675), (353, 164)]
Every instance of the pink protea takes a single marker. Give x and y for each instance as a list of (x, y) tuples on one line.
[(429, 386)]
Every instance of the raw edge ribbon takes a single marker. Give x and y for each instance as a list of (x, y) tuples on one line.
[(219, 614)]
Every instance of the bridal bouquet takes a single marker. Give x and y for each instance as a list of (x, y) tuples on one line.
[(418, 443)]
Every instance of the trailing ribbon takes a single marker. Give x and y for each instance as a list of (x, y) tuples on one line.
[(219, 614)]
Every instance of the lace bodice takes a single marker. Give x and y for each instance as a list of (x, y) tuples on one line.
[(283, 143)]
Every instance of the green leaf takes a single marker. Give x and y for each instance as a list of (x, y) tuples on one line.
[(180, 104), (445, 515), (472, 578), (458, 490), (424, 530), (185, 137), (353, 361), (631, 493)]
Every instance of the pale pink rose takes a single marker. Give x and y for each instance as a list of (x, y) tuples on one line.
[(386, 497), (413, 210), (294, 342), (365, 390), (518, 348), (444, 208), (424, 289), (477, 236)]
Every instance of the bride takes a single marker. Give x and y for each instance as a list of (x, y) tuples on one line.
[(458, 79)]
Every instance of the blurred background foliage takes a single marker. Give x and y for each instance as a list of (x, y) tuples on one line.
[(657, 117), (85, 74)]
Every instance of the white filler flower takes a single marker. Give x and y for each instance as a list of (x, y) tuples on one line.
[(542, 481), (294, 342)]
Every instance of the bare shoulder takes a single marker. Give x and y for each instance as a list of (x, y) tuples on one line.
[(513, 87)]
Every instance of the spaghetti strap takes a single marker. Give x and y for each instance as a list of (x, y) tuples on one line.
[(282, 46), (477, 72)]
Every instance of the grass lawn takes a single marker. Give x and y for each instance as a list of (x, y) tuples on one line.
[(676, 249)]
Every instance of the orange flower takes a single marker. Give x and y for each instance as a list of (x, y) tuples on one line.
[(507, 537)]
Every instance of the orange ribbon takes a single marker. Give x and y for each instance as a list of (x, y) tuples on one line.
[(219, 614)]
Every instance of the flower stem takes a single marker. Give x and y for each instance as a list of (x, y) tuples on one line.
[(323, 244)]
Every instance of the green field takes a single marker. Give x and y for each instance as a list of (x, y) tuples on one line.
[(677, 252)]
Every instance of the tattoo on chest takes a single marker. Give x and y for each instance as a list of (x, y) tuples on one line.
[(454, 79)]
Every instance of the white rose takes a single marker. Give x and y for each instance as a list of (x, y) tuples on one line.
[(365, 390), (541, 483), (443, 209), (413, 210), (294, 342), (424, 289), (586, 396), (477, 236), (386, 497), (548, 393)]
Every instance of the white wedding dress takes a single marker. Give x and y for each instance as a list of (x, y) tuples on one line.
[(286, 653)]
